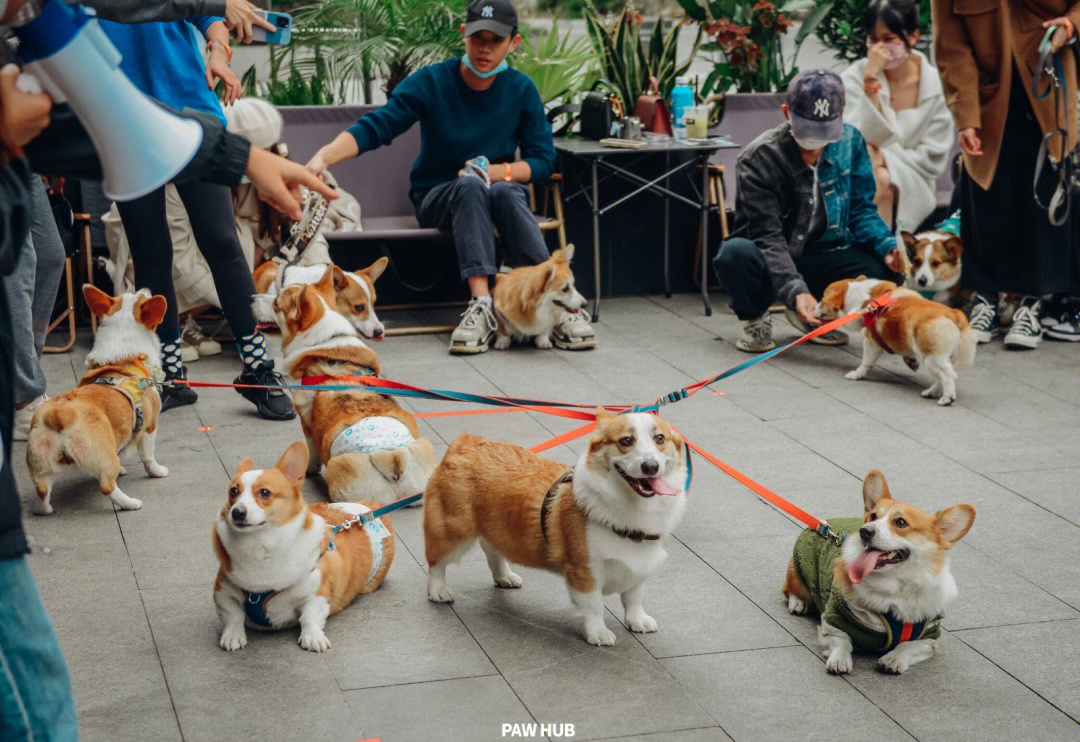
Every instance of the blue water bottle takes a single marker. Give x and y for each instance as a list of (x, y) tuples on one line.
[(682, 97)]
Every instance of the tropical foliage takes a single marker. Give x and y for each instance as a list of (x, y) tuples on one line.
[(560, 68), (843, 27)]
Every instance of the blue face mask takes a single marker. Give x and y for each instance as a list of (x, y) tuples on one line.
[(503, 66)]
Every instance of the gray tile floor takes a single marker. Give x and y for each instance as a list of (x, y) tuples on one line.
[(129, 592)]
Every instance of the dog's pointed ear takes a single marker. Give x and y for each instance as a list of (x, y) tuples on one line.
[(563, 254), (874, 490), (293, 463), (99, 302), (376, 269), (954, 246), (326, 283), (551, 275), (311, 306), (245, 466), (954, 523), (602, 415), (341, 281), (150, 312), (910, 242), (569, 250)]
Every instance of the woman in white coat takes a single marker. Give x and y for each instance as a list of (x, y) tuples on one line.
[(895, 100)]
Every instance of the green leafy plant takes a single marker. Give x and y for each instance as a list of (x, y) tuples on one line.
[(559, 66), (311, 79), (745, 42), (843, 27), (628, 62), (576, 8)]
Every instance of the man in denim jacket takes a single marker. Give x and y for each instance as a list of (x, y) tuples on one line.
[(805, 215)]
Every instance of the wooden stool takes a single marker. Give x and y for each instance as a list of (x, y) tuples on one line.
[(717, 199), (68, 314)]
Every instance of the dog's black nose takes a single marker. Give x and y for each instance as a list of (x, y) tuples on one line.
[(650, 467), (378, 332), (238, 514), (866, 533), (921, 280)]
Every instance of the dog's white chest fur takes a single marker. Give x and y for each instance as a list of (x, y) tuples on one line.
[(618, 563)]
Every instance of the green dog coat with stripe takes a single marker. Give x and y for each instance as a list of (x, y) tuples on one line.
[(815, 559)]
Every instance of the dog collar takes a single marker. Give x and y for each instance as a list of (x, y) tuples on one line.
[(635, 536), (870, 318)]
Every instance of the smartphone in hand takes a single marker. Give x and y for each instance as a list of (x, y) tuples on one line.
[(281, 21)]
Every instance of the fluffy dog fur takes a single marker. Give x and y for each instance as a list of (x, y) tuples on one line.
[(920, 330), (630, 480), (268, 539), (916, 588), (318, 341), (935, 264), (530, 300), (91, 425)]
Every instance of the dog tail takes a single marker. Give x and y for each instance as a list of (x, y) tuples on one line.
[(960, 319), (964, 355)]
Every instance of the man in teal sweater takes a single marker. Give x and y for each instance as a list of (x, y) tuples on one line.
[(475, 115)]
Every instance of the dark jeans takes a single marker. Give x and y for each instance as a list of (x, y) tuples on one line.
[(210, 211), (472, 213), (742, 271)]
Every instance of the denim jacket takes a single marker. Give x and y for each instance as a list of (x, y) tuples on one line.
[(776, 198)]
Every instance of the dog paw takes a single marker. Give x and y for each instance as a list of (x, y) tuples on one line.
[(946, 400), (132, 503), (122, 472), (893, 664), (43, 508), (797, 605), (838, 663), (502, 342), (854, 375), (510, 579), (930, 392), (314, 640), (543, 342), (601, 637), (440, 594), (232, 640), (157, 470), (643, 624)]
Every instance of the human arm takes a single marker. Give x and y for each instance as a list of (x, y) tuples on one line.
[(217, 64), (956, 64), (864, 111), (536, 146), (239, 15)]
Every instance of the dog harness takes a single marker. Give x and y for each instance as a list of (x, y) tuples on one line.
[(132, 379), (372, 434), (375, 530), (815, 558), (870, 318)]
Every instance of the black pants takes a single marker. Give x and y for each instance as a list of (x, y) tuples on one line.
[(742, 271), (210, 210)]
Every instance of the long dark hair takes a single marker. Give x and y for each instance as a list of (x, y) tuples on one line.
[(899, 16)]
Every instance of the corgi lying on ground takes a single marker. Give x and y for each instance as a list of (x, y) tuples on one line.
[(935, 265), (886, 587), (599, 523), (530, 301), (923, 332), (354, 291), (115, 405), (371, 447), (281, 562)]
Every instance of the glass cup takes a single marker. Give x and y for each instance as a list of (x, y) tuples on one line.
[(697, 122)]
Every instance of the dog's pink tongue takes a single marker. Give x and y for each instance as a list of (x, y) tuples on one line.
[(863, 565), (661, 487)]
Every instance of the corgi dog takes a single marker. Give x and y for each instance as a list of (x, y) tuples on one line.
[(371, 447), (354, 291), (283, 562), (886, 586), (919, 330), (529, 301), (599, 523), (115, 406), (935, 265)]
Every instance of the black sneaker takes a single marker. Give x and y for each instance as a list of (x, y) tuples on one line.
[(176, 395), (1067, 327), (984, 320), (273, 404), (1025, 332)]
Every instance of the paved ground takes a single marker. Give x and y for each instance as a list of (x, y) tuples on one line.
[(129, 592)]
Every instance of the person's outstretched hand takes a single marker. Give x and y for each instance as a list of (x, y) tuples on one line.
[(804, 307), (893, 261), (241, 16), (278, 181), (23, 114), (217, 67)]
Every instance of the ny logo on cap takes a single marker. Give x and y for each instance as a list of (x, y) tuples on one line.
[(488, 11), (821, 107)]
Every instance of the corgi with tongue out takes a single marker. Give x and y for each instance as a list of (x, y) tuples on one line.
[(600, 523), (886, 586)]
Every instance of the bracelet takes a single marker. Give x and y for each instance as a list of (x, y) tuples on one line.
[(508, 177), (872, 87), (226, 47)]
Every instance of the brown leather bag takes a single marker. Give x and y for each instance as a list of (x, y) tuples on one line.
[(653, 111)]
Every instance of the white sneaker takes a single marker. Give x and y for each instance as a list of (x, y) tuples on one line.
[(193, 335), (476, 329), (756, 335), (23, 418), (1025, 332)]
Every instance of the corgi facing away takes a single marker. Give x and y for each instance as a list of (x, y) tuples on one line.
[(115, 406), (923, 332), (529, 301), (885, 588), (371, 447), (599, 523), (354, 291), (281, 563)]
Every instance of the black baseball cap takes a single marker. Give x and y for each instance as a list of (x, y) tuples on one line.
[(816, 102), (497, 16)]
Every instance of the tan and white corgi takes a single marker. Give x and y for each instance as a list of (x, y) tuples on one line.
[(529, 301), (115, 405), (371, 447), (599, 523), (935, 265), (283, 562), (885, 588), (354, 291), (923, 332)]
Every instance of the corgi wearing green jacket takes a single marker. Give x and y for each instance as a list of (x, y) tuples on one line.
[(885, 587)]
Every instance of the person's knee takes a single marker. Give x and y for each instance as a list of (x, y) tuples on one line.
[(735, 253), (469, 190), (507, 196)]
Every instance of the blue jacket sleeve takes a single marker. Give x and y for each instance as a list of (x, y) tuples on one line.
[(203, 22), (867, 227), (536, 145), (406, 106)]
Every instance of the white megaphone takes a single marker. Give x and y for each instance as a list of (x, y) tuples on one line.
[(141, 146)]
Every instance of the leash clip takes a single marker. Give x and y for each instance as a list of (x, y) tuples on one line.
[(825, 531)]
